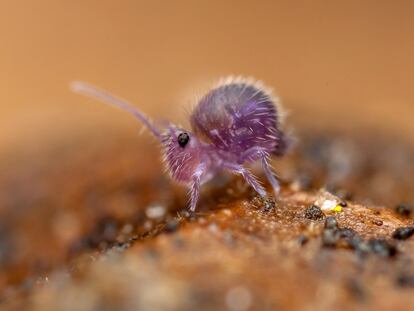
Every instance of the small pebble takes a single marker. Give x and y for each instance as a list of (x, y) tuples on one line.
[(356, 289), (378, 222), (406, 280), (269, 204), (382, 248), (403, 233), (314, 212), (331, 223), (404, 209), (303, 239), (347, 233), (330, 237), (360, 246), (336, 237), (172, 226)]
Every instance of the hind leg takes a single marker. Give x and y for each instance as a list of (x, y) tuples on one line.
[(269, 174), (258, 153), (248, 177)]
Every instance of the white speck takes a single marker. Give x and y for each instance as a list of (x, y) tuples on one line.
[(155, 211), (328, 205), (213, 227), (238, 299), (327, 201)]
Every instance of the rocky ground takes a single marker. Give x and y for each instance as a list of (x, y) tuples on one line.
[(98, 226)]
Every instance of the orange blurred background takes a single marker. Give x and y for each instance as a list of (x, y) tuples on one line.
[(335, 64)]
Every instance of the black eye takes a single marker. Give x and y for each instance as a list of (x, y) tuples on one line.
[(183, 139)]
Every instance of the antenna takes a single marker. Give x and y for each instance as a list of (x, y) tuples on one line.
[(106, 97)]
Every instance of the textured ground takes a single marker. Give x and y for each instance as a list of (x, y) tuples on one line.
[(97, 226)]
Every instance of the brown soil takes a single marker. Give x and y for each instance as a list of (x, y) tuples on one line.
[(98, 226)]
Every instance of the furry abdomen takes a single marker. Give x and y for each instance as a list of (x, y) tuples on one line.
[(237, 117)]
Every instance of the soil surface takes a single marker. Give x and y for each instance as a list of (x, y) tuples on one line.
[(96, 225)]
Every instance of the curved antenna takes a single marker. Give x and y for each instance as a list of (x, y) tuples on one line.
[(106, 97)]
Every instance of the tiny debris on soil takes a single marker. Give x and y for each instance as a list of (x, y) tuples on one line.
[(378, 222), (303, 239), (356, 290), (314, 212), (334, 236), (331, 223), (403, 233), (269, 204), (405, 280), (337, 237), (172, 225), (404, 209), (266, 205), (382, 247)]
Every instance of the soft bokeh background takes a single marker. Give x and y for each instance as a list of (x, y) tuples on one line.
[(336, 64), (77, 183)]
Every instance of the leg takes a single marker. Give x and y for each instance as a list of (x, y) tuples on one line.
[(195, 187), (269, 174), (259, 153), (248, 177)]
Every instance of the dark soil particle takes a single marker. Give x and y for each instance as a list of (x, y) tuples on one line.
[(382, 247), (330, 237), (102, 236), (314, 212), (269, 204), (347, 233), (303, 239), (265, 205), (377, 222), (336, 237), (405, 280), (331, 223), (356, 290), (172, 226), (403, 233), (404, 209)]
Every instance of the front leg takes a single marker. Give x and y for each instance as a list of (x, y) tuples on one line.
[(248, 177), (195, 186)]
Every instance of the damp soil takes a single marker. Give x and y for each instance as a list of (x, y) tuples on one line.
[(96, 225)]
